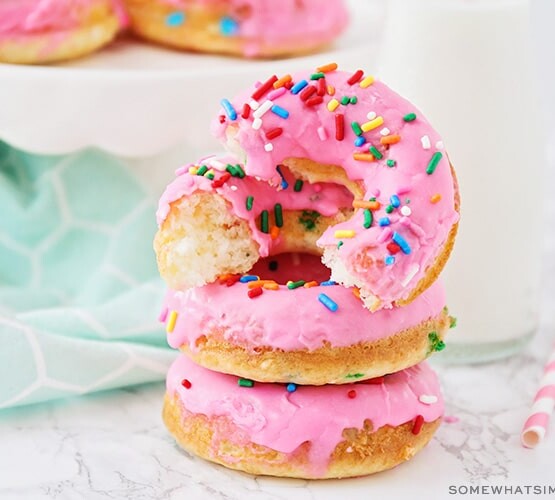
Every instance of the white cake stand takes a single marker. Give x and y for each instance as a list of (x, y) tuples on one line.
[(138, 100)]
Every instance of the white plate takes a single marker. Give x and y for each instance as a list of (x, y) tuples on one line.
[(134, 99)]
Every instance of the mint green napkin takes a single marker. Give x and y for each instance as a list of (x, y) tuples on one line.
[(79, 290)]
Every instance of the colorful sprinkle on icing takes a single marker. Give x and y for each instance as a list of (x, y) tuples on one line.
[(255, 292), (435, 198), (366, 82), (384, 221), (436, 158), (328, 302), (345, 233), (333, 105), (405, 247), (278, 215), (295, 89), (264, 220), (170, 325), (356, 77), (417, 425), (292, 285), (248, 278), (281, 112), (245, 382), (368, 218), (229, 109)]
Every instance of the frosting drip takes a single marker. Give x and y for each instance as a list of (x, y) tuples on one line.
[(271, 416)]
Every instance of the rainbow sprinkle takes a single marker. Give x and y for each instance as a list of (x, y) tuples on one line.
[(278, 215), (328, 302), (281, 112), (368, 218), (248, 278), (295, 89), (229, 109), (292, 285), (436, 158), (245, 382), (264, 222), (170, 325), (405, 247)]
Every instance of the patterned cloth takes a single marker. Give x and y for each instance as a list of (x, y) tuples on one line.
[(79, 290)]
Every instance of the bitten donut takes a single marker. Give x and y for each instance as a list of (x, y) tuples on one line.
[(349, 129), (286, 322), (215, 220), (251, 28), (306, 432), (43, 31)]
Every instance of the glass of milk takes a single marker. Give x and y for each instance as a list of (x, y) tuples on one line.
[(467, 65)]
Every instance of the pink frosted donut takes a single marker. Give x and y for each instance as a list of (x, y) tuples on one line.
[(285, 333), (346, 128), (41, 31), (251, 28), (304, 431)]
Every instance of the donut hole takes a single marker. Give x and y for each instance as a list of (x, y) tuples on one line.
[(291, 266)]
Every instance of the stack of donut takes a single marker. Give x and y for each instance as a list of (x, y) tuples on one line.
[(301, 268)]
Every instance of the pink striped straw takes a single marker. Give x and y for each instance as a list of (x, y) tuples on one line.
[(535, 427)]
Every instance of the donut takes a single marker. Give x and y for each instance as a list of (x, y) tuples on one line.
[(44, 31), (347, 128), (321, 432), (250, 28), (293, 325)]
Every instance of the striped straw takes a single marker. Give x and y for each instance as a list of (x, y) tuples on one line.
[(536, 426)]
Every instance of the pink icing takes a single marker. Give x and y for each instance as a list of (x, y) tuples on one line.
[(271, 416), (291, 319), (425, 228), (326, 199), (27, 17), (274, 22)]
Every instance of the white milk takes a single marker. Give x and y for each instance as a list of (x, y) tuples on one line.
[(467, 66)]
